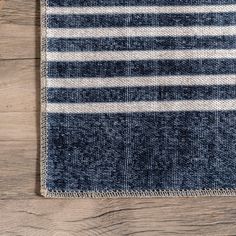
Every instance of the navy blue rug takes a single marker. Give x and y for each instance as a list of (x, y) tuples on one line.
[(138, 98)]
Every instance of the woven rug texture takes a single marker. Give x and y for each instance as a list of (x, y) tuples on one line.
[(138, 98)]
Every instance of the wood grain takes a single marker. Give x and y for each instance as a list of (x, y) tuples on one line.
[(179, 216), (22, 211), (19, 168), (19, 27), (16, 126), (19, 85)]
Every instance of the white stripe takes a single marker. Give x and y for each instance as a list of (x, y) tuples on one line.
[(141, 55), (142, 81), (157, 106), (142, 31), (141, 9)]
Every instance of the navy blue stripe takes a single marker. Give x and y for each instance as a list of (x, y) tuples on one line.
[(140, 68), (169, 150), (140, 43), (131, 94), (136, 20), (89, 3)]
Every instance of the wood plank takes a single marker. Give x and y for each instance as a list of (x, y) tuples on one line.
[(20, 31), (15, 126), (147, 217), (25, 12), (19, 169), (19, 85), (19, 47)]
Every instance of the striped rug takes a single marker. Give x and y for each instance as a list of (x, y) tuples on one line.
[(138, 98)]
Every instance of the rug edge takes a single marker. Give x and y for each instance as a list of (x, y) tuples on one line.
[(43, 98), (140, 194)]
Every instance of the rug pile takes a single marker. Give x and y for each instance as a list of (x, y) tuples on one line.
[(138, 98)]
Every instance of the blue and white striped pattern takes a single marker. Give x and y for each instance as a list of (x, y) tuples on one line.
[(141, 47), (111, 57)]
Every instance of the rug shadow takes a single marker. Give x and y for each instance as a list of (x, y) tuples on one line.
[(37, 84)]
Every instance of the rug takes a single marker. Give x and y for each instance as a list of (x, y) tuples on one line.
[(138, 98)]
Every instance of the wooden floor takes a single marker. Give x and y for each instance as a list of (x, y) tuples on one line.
[(22, 210)]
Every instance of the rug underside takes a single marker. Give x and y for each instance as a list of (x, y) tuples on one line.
[(138, 98)]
